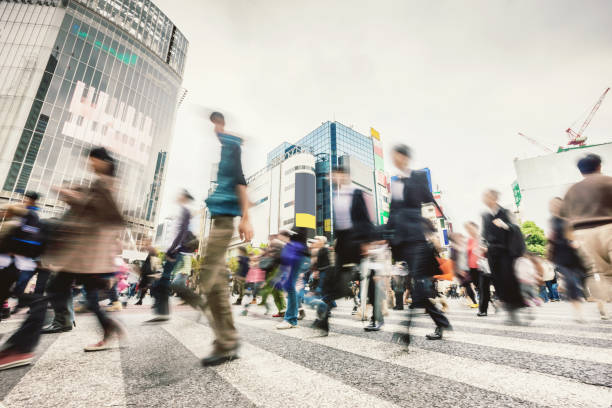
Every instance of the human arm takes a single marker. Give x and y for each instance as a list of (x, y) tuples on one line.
[(245, 229)]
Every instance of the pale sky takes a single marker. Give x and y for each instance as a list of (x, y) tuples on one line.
[(454, 80)]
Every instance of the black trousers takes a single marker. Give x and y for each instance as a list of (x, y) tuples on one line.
[(8, 277), (418, 256), (25, 339), (484, 291), (469, 291), (506, 284)]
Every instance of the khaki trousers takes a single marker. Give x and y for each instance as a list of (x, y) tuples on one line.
[(214, 282), (596, 248)]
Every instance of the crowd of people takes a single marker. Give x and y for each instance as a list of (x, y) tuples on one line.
[(387, 266)]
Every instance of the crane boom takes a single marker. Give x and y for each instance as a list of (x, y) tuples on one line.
[(535, 142), (578, 138)]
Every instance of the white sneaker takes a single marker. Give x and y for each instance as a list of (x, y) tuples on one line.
[(286, 325)]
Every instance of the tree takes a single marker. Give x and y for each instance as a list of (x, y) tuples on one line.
[(534, 237)]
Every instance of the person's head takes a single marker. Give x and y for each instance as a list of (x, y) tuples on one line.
[(217, 119), (554, 206), (401, 156), (284, 235), (30, 198), (456, 238), (471, 228), (243, 251), (340, 175), (300, 234), (101, 162), (490, 198), (590, 164), (184, 197)]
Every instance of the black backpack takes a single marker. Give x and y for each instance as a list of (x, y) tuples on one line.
[(516, 241), (190, 242), (26, 239)]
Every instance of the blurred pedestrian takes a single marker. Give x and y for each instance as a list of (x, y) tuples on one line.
[(294, 261), (241, 274), (353, 231), (85, 253), (409, 191), (228, 201), (498, 228), (177, 258), (588, 208), (563, 253)]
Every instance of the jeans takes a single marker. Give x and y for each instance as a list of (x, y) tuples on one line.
[(549, 291), (291, 314), (22, 282)]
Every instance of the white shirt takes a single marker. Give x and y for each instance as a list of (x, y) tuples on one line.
[(342, 207)]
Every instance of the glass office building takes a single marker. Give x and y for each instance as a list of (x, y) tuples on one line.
[(80, 73), (333, 144)]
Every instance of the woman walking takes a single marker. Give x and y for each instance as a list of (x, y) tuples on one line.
[(84, 251)]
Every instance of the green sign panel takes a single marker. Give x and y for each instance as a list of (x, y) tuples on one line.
[(516, 190)]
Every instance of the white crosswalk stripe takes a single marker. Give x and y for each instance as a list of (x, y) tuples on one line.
[(482, 358)]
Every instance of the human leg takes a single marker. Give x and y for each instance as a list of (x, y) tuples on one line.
[(213, 282)]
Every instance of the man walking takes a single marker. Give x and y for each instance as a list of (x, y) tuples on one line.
[(228, 201), (588, 207), (174, 258)]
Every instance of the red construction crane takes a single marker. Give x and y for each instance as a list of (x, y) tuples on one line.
[(535, 142), (578, 138)]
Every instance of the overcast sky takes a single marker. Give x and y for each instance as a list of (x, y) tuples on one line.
[(455, 80)]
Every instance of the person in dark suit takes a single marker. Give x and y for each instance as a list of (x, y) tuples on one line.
[(496, 223), (406, 229), (353, 231)]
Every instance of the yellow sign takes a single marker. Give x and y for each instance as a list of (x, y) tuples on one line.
[(305, 220), (328, 225), (374, 133)]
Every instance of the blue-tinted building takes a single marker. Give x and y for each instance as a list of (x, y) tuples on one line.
[(333, 143)]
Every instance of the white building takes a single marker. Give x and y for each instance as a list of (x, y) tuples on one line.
[(282, 195), (544, 177)]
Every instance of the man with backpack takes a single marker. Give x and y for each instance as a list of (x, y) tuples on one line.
[(176, 256), (20, 248), (505, 243)]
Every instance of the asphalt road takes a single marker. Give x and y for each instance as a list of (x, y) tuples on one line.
[(554, 362)]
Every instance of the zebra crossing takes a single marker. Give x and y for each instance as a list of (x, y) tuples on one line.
[(554, 362)]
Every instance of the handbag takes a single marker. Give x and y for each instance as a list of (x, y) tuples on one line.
[(484, 267)]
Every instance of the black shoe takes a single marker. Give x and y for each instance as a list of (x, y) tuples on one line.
[(5, 313), (139, 303), (354, 311), (482, 314), (436, 335), (322, 325), (373, 326), (301, 314), (55, 328), (218, 359), (237, 303)]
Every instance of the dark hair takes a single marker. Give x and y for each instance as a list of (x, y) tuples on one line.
[(300, 234), (216, 116), (589, 164), (187, 195), (32, 195), (403, 150), (243, 250), (101, 153)]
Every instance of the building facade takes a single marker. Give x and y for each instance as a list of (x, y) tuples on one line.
[(80, 73), (334, 144), (539, 179), (283, 195)]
